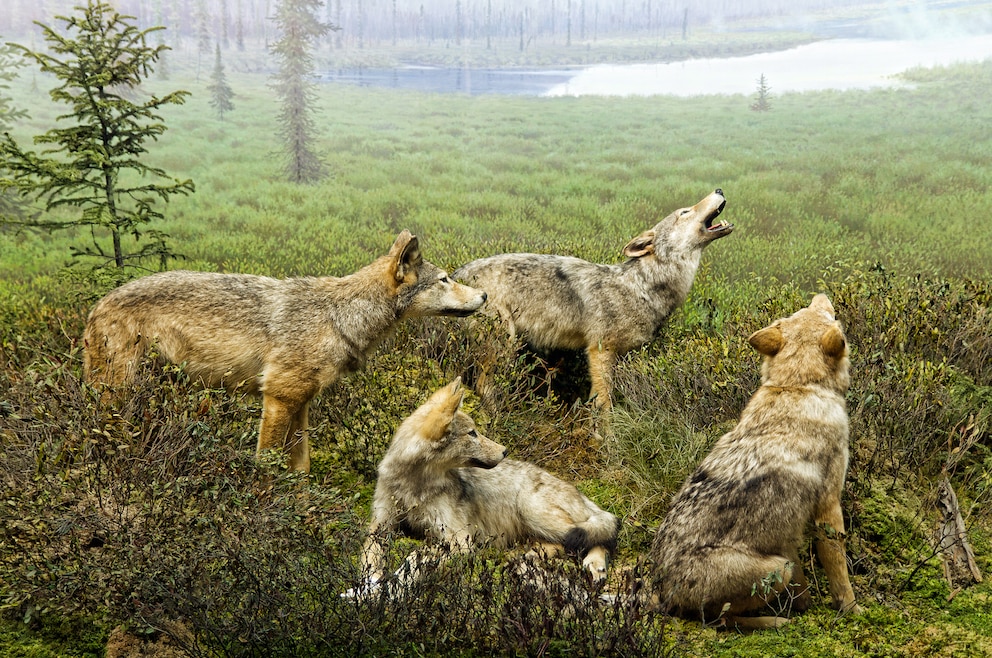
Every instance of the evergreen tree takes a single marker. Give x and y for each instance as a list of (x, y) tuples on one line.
[(761, 102), (202, 17), (163, 60), (10, 61), (220, 92), (94, 164), (299, 30), (223, 25), (239, 29)]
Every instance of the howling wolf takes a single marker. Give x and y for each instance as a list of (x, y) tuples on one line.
[(441, 479), (730, 542), (607, 310), (286, 339)]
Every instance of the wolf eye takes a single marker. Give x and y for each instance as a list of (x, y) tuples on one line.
[(473, 433), (444, 278), (685, 211)]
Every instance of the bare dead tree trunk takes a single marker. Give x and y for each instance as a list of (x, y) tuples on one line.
[(960, 568)]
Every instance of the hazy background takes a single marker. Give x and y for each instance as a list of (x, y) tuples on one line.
[(524, 24)]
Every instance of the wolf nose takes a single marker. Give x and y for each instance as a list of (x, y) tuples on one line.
[(719, 191), (506, 451), (484, 296)]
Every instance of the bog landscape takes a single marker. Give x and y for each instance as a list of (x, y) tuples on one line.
[(151, 525)]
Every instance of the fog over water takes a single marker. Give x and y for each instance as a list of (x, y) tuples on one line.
[(839, 63), (832, 64)]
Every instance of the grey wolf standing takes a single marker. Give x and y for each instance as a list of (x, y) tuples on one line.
[(286, 339), (730, 542), (607, 310), (441, 479)]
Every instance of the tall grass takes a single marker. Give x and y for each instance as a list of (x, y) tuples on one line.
[(899, 174)]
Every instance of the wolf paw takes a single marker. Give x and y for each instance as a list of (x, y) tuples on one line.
[(363, 591)]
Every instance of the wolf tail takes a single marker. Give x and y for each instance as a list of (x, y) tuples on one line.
[(600, 529)]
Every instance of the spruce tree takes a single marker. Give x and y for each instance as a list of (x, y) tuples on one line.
[(239, 29), (202, 18), (299, 30), (10, 61), (94, 164), (761, 102), (220, 91)]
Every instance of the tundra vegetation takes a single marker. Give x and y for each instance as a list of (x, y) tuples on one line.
[(161, 519)]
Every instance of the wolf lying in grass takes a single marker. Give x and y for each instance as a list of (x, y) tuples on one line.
[(561, 302), (730, 542), (287, 339), (442, 480)]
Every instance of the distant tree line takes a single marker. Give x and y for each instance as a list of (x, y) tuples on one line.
[(377, 23)]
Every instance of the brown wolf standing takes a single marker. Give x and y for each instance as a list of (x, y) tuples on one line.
[(730, 542), (286, 339), (607, 310), (441, 479)]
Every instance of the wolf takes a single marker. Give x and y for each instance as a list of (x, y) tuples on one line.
[(286, 339), (442, 480), (562, 302), (729, 545)]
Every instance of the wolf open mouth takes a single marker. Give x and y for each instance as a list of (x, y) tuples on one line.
[(458, 312), (721, 226), (478, 463)]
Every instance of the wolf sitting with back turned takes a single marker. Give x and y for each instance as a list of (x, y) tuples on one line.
[(729, 545)]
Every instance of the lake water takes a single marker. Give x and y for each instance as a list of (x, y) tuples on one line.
[(832, 64), (527, 82)]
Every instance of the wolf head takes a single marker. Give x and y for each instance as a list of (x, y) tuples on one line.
[(442, 437), (808, 347), (684, 231), (424, 289)]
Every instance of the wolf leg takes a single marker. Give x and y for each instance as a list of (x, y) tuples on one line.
[(602, 362), (766, 578), (298, 444), (596, 561), (423, 560), (546, 550), (755, 623), (277, 417), (830, 549), (728, 582)]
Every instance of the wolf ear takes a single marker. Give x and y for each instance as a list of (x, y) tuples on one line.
[(455, 396), (822, 303), (832, 341), (449, 401), (767, 341), (640, 246), (406, 254)]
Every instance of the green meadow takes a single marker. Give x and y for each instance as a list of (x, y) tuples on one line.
[(878, 198)]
